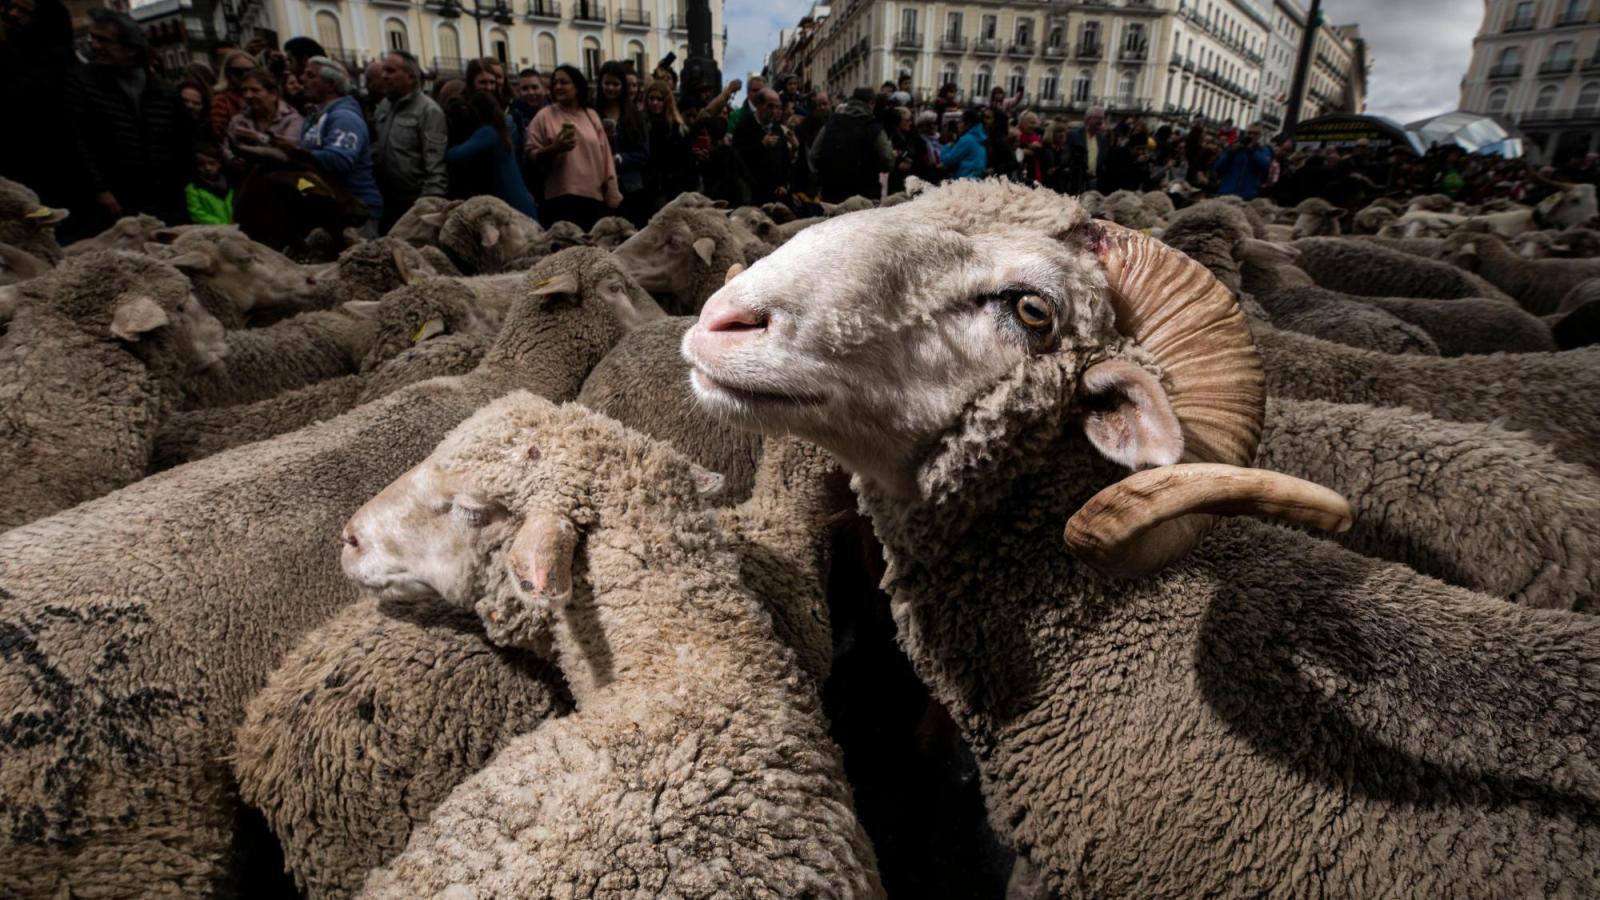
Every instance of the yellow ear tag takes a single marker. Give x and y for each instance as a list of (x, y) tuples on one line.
[(43, 212), (303, 185), (417, 338)]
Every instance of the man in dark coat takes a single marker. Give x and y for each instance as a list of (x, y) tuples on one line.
[(851, 151), (1087, 153), (762, 143), (35, 56), (130, 134)]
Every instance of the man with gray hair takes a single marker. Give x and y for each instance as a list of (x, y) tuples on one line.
[(410, 141), (336, 134)]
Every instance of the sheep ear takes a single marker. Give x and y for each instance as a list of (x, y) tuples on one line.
[(436, 219), (366, 309), (705, 248), (403, 267), (706, 482), (430, 329), (194, 262), (1126, 415), (719, 204), (135, 316), (490, 236), (565, 284), (166, 235), (46, 216)]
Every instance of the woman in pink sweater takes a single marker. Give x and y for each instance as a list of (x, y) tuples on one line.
[(567, 143)]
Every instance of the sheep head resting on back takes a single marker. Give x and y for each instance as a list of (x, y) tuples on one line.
[(425, 309), (127, 233), (962, 333), (484, 233), (520, 469), (419, 225), (1316, 216), (27, 224), (610, 232), (253, 276), (684, 252)]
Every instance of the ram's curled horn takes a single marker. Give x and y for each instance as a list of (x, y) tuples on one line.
[(1128, 528), (1192, 325)]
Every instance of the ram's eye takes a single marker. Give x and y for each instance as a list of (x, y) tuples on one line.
[(1034, 311)]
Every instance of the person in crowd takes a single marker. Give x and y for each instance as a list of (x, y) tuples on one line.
[(372, 92), (671, 168), (1029, 143), (792, 95), (757, 85), (1001, 157), (409, 147), (664, 72), (196, 97), (129, 147), (1087, 148), (1227, 135), (968, 157), (568, 143), (266, 114), (1055, 159), (721, 171), (227, 98), (635, 86), (336, 136), (528, 101), (945, 101), (299, 51), (908, 148), (1199, 148), (629, 137), (36, 55), (208, 196), (295, 95), (818, 108), (762, 143), (502, 84), (904, 87), (481, 76), (1242, 167), (927, 165), (851, 151), (490, 149)]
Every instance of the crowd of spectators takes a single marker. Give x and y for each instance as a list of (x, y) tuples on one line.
[(177, 145)]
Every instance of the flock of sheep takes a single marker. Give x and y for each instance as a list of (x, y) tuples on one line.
[(497, 561)]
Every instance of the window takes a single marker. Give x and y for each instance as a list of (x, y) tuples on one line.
[(1588, 98), (980, 81), (1081, 85), (908, 22), (1574, 10), (1134, 40), (1017, 82), (1561, 53), (545, 57), (1546, 99), (990, 26), (591, 60), (394, 32), (1049, 85), (952, 27), (950, 75), (1125, 89), (1510, 58), (1057, 36), (1091, 35), (1024, 31), (500, 46), (1523, 16), (328, 32), (637, 54), (450, 44)]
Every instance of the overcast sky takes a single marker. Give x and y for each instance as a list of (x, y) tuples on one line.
[(1419, 48)]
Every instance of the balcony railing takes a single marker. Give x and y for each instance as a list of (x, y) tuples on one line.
[(1020, 49), (544, 9), (908, 40), (1519, 25), (678, 22), (952, 43), (589, 11), (1557, 67), (1134, 53), (1508, 70), (633, 18), (1572, 18), (1089, 51), (447, 67), (1054, 51), (986, 46)]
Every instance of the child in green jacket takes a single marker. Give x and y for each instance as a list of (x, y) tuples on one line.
[(210, 199)]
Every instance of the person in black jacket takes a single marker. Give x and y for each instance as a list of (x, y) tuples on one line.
[(130, 134), (35, 57), (851, 151), (762, 142)]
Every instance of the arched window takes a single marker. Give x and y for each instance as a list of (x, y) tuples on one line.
[(1017, 81), (500, 45), (328, 32), (981, 80), (1546, 100), (449, 49), (1589, 98), (1049, 86), (1125, 89), (592, 60), (950, 75), (1081, 86), (545, 54), (1510, 56), (636, 53), (394, 35)]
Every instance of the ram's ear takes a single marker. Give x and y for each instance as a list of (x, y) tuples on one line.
[(135, 316), (193, 262), (705, 248), (436, 219), (430, 329), (489, 236), (1126, 415), (366, 309)]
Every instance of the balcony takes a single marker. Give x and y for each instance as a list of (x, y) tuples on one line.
[(636, 19), (1134, 53), (1090, 51), (1054, 51), (1509, 70), (447, 67), (1021, 49), (952, 43), (1569, 19), (986, 47), (908, 40), (678, 22), (448, 9), (589, 12), (1557, 67), (1176, 60)]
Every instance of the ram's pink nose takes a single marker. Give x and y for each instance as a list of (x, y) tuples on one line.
[(725, 323)]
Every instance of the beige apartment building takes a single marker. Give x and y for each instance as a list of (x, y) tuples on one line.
[(444, 34), (1172, 58), (1536, 65), (1338, 74)]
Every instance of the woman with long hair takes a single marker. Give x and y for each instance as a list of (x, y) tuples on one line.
[(568, 144), (489, 151), (630, 140), (1002, 149), (227, 95), (670, 169)]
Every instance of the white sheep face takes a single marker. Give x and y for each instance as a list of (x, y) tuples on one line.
[(252, 275), (1577, 205), (426, 536), (912, 319), (665, 257)]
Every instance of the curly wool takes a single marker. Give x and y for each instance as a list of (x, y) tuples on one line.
[(291, 354), (1325, 314), (1369, 269), (1470, 326), (484, 235)]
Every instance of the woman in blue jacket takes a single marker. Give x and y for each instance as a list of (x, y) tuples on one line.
[(488, 149), (968, 157)]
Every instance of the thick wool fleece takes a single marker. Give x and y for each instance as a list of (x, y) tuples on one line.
[(1549, 395), (1470, 326), (79, 409), (1371, 270), (291, 354), (370, 721), (419, 226), (1328, 315), (698, 761), (484, 234), (149, 617), (1540, 285), (198, 433), (1270, 715), (22, 227), (733, 246), (1471, 504), (442, 304), (644, 384), (368, 271), (609, 232), (1207, 233)]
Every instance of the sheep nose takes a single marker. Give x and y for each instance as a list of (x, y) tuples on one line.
[(723, 314), (348, 539)]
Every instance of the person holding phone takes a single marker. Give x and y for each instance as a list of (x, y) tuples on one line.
[(567, 143)]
